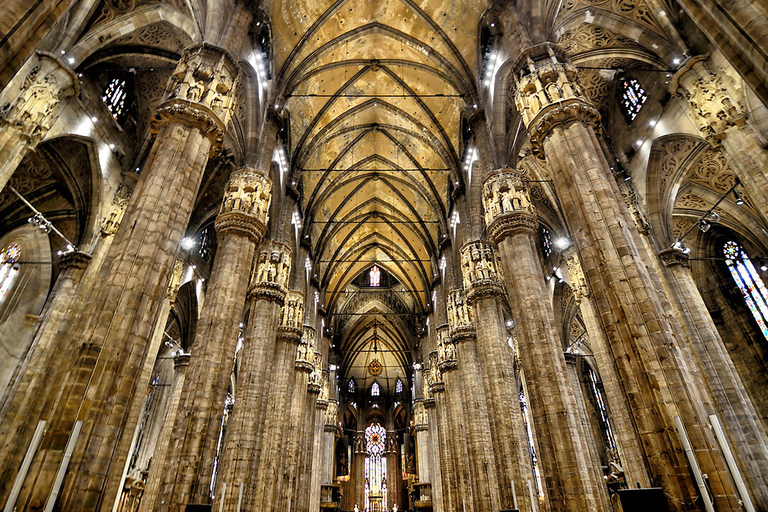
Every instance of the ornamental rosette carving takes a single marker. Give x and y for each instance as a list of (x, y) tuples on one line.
[(481, 270), (305, 351), (446, 350), (460, 317), (270, 276), (245, 207), (548, 93), (507, 204), (33, 111), (201, 92)]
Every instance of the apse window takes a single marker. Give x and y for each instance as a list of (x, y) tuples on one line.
[(374, 276), (399, 386), (749, 282), (632, 96), (114, 98), (9, 268), (546, 242), (351, 385), (375, 389)]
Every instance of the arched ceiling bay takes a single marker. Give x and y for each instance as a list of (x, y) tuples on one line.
[(375, 93)]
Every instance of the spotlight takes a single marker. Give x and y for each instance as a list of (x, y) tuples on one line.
[(704, 226), (714, 216), (739, 200), (562, 243), (763, 265), (187, 243)]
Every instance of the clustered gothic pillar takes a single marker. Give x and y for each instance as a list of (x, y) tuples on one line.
[(571, 475), (257, 380), (26, 120), (96, 401), (561, 122), (482, 276), (240, 226)]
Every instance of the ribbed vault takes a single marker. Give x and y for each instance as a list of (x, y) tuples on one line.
[(376, 92)]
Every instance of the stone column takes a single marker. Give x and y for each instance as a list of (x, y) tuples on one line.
[(481, 272), (240, 226), (737, 414), (561, 123), (267, 295), (476, 467), (571, 476), (25, 121), (421, 431), (722, 120), (434, 379), (318, 462)]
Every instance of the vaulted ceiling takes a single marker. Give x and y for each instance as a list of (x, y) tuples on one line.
[(376, 92)]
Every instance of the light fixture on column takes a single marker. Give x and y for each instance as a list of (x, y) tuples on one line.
[(43, 224), (187, 243), (763, 264), (562, 243), (704, 226), (739, 199), (704, 223)]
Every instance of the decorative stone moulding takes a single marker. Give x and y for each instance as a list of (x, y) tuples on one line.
[(33, 111), (330, 415), (419, 417), (315, 382), (270, 275), (322, 397), (292, 319), (201, 92), (460, 320), (245, 207), (507, 204), (481, 270), (446, 350), (548, 93), (305, 351), (434, 382), (116, 210)]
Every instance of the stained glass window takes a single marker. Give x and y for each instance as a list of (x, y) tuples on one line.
[(375, 487), (546, 242), (206, 243), (749, 282), (531, 445), (8, 268), (374, 276), (114, 98), (399, 386), (351, 385), (375, 390), (597, 392), (631, 99)]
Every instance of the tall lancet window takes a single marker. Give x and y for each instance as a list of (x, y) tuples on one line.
[(374, 276), (375, 389), (632, 96), (9, 268), (375, 469), (114, 98), (399, 386), (749, 282)]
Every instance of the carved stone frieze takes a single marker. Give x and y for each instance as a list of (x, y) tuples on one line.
[(315, 381), (270, 275), (446, 350), (116, 210), (175, 283), (576, 275), (548, 93), (508, 207), (322, 397), (434, 379), (305, 351), (671, 257), (481, 270), (460, 318), (34, 110), (420, 423), (201, 92), (714, 106), (292, 319), (245, 207), (330, 415)]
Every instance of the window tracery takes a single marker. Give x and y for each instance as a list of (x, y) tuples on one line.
[(749, 282), (632, 97), (375, 467), (399, 386), (374, 276), (375, 389), (9, 267), (351, 385), (546, 242), (114, 98)]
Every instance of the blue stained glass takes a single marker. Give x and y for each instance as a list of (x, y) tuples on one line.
[(749, 282), (632, 98)]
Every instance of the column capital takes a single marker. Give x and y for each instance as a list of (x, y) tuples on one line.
[(201, 92), (714, 106), (33, 111), (330, 415), (270, 276), (117, 209), (75, 259), (446, 350), (433, 378), (548, 93), (315, 382), (461, 323), (507, 204), (481, 270), (245, 207), (292, 318), (175, 282), (419, 417), (671, 257), (305, 351)]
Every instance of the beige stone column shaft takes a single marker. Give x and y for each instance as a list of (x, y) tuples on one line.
[(482, 277), (736, 412), (630, 306), (247, 426), (240, 226), (571, 475), (122, 312)]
